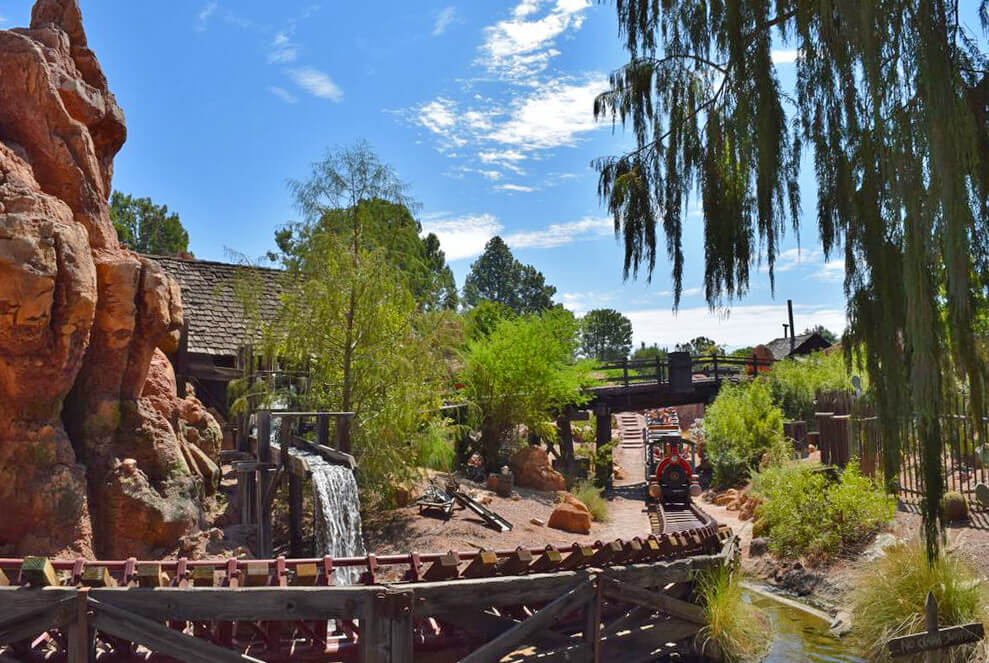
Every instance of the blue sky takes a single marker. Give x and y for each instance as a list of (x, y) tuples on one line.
[(484, 108)]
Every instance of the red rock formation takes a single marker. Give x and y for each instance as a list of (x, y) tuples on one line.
[(80, 316), (532, 469)]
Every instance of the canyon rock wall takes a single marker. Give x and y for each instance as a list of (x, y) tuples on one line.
[(80, 317)]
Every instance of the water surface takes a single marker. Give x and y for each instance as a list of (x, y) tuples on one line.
[(800, 636)]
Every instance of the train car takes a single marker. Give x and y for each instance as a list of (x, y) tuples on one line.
[(671, 479)]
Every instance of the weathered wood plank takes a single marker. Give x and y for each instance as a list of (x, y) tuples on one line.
[(626, 593), (494, 650), (486, 626), (160, 638), (241, 603), (24, 626)]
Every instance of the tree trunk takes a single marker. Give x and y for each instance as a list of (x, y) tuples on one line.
[(491, 437)]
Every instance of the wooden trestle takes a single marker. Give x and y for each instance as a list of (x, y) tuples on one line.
[(614, 601)]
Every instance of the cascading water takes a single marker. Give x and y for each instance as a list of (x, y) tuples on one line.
[(337, 510)]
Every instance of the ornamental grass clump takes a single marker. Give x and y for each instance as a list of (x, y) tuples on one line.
[(891, 592), (736, 628), (590, 495)]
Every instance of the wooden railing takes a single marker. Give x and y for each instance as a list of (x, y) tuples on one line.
[(660, 370)]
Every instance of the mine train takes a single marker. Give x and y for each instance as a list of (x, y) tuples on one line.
[(669, 459)]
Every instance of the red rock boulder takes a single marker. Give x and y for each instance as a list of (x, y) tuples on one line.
[(571, 516), (532, 469)]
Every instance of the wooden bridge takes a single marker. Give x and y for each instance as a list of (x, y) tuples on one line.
[(619, 601), (642, 384)]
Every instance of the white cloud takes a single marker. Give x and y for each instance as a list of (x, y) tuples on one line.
[(521, 46), (505, 158), (283, 50), (832, 271), (520, 188), (784, 56), (553, 117), (465, 236), (582, 302), (742, 326), (686, 292), (283, 94), (559, 234), (316, 83), (443, 20), (791, 258), (3, 19), (440, 116), (204, 15)]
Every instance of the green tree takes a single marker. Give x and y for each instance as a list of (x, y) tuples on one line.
[(701, 345), (386, 224), (353, 320), (825, 333), (498, 277), (481, 320), (605, 335), (147, 228), (520, 373), (893, 97)]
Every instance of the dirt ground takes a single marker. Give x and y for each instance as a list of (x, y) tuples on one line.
[(404, 530)]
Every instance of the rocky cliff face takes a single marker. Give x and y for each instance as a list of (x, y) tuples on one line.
[(80, 317)]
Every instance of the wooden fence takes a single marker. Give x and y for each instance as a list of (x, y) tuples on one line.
[(847, 430)]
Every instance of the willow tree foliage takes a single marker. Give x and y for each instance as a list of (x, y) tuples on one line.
[(893, 98)]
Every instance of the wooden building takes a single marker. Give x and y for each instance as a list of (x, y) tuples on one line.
[(217, 328), (803, 344)]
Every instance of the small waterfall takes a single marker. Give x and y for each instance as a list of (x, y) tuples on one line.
[(337, 509)]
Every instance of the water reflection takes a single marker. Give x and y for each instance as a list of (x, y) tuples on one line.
[(800, 636)]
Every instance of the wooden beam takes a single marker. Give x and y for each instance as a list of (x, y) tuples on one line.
[(487, 626), (592, 622), (626, 593), (23, 626), (494, 650), (241, 603), (162, 639)]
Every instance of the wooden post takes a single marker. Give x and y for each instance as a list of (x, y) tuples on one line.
[(603, 432), (566, 443), (263, 479), (930, 623), (323, 429), (386, 627), (81, 646), (592, 623)]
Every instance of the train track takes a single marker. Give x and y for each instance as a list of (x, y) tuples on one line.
[(672, 519)]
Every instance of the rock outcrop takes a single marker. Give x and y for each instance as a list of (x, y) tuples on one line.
[(80, 316), (532, 469), (571, 515)]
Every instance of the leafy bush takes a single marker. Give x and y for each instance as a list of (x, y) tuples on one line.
[(603, 464), (795, 383), (433, 446), (891, 591), (740, 426), (809, 514), (738, 628), (590, 495)]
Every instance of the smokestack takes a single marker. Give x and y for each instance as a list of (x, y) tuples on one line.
[(785, 327), (793, 330)]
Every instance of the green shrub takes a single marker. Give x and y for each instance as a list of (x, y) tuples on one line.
[(891, 592), (739, 629), (954, 507), (795, 383), (590, 495), (433, 446), (740, 426), (807, 514), (603, 464)]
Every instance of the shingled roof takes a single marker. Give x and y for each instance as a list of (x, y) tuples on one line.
[(780, 347), (212, 309)]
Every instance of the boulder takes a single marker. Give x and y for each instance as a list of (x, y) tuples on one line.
[(759, 546), (725, 498), (532, 469), (955, 507), (570, 518)]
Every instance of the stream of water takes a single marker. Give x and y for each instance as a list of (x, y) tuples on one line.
[(800, 636), (337, 509)]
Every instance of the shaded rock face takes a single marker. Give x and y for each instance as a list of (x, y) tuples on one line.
[(80, 316), (532, 468)]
